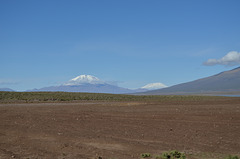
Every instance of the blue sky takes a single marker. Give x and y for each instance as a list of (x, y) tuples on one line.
[(130, 42)]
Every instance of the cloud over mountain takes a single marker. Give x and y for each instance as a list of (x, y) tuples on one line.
[(230, 59)]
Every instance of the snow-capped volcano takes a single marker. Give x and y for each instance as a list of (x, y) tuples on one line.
[(152, 86), (87, 83), (84, 79)]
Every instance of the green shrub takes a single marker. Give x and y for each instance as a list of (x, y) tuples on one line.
[(145, 155), (173, 155)]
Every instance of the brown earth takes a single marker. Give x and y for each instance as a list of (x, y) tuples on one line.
[(120, 130)]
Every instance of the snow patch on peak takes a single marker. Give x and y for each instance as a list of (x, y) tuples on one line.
[(84, 79), (152, 86)]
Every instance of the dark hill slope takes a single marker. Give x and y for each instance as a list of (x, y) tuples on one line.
[(228, 81)]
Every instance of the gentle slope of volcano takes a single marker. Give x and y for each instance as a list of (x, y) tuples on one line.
[(90, 88)]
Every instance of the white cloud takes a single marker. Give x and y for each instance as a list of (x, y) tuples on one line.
[(230, 59), (153, 86)]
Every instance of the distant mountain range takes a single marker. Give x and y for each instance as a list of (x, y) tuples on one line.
[(6, 89), (227, 82), (91, 84), (87, 87)]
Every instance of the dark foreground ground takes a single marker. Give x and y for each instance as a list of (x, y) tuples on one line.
[(120, 130)]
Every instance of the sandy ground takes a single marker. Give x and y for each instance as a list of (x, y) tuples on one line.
[(119, 130)]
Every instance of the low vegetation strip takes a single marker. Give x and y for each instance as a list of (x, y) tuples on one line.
[(12, 97), (166, 155)]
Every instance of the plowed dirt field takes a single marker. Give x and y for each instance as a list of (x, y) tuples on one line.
[(119, 130)]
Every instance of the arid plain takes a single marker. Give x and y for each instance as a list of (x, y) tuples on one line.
[(208, 128)]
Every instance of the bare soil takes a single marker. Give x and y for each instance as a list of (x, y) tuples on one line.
[(119, 130)]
